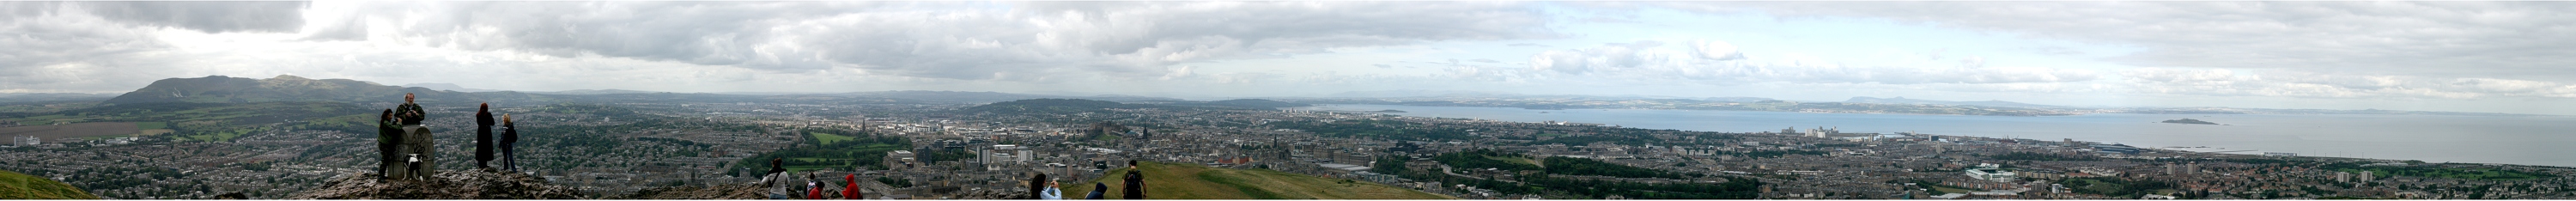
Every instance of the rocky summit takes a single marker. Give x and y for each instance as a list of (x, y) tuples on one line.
[(482, 183)]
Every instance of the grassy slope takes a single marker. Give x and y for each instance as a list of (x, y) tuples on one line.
[(21, 186), (1189, 181)]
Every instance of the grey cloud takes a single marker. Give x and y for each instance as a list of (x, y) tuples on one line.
[(951, 40), (2222, 82), (207, 16), (1383, 66), (1486, 61), (2520, 40)]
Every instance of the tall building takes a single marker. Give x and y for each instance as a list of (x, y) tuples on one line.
[(2343, 177), (2193, 167), (2171, 169), (2365, 176)]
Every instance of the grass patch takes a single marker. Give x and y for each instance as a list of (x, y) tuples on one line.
[(15, 186), (1190, 181), (1518, 160), (827, 138)]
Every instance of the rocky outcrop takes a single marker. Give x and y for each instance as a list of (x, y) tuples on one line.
[(719, 192), (484, 184)]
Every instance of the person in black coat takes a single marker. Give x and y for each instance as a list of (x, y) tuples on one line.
[(387, 133), (483, 136), (509, 138)]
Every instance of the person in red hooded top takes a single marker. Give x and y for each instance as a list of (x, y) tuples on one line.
[(851, 189)]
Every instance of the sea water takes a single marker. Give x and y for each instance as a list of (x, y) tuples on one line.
[(2546, 140)]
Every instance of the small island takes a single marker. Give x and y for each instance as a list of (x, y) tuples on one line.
[(2189, 121)]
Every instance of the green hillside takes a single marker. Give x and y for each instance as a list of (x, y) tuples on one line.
[(1189, 181), (14, 186)]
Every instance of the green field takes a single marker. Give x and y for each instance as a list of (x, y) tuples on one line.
[(1518, 160), (1189, 181), (16, 186), (828, 138)]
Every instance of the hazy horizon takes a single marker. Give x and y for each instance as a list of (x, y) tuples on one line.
[(2429, 56)]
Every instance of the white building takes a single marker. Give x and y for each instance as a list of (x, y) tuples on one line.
[(23, 140), (1991, 172)]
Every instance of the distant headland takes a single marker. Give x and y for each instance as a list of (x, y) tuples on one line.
[(2190, 121)]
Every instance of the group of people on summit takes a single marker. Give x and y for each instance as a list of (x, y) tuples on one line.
[(402, 140), (1042, 188)]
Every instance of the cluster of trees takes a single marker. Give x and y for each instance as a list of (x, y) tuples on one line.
[(2439, 171), (2114, 187), (1733, 188), (1584, 166), (895, 182), (861, 150)]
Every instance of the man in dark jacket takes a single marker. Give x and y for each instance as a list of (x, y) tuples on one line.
[(509, 139), (1135, 182), (483, 136), (410, 112), (386, 133)]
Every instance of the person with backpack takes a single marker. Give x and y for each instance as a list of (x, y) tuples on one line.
[(1135, 182)]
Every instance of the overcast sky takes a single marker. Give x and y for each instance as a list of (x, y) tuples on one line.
[(2447, 56)]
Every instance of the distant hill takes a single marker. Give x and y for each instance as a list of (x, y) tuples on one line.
[(289, 88), (1239, 103), (1903, 100), (1048, 105), (447, 86), (1190, 181), (15, 186), (594, 92)]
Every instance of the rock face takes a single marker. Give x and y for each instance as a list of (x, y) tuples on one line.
[(484, 184), (720, 192)]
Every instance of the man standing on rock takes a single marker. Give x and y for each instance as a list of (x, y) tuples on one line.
[(483, 136), (509, 137)]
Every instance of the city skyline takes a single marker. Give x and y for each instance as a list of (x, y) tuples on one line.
[(2436, 56)]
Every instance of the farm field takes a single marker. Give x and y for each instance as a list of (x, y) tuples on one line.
[(75, 130)]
